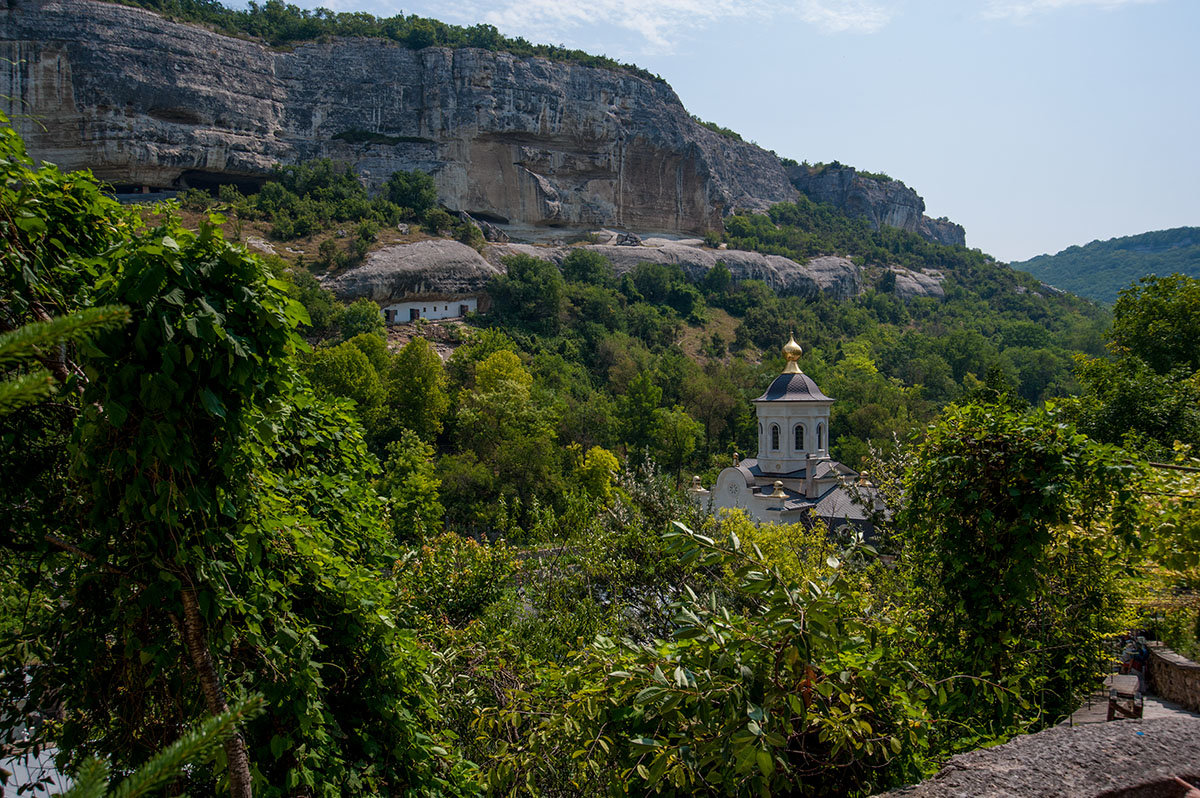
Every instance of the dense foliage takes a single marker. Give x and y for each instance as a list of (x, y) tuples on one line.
[(280, 24), (1010, 520), (1099, 270), (1146, 395), (462, 576), (209, 530)]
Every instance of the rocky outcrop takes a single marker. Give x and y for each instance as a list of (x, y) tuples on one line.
[(878, 200), (833, 276), (441, 267), (910, 285), (142, 100), (942, 231), (1100, 760), (437, 267)]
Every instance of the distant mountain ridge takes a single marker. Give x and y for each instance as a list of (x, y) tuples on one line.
[(1099, 270)]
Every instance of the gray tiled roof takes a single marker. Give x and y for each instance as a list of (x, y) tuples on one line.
[(793, 388)]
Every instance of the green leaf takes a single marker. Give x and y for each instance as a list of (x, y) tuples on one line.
[(766, 763), (211, 403)]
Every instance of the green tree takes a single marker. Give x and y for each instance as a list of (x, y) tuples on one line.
[(344, 371), (410, 482), (359, 317), (416, 390), (596, 472), (413, 190), (638, 412), (216, 534), (676, 436), (320, 304), (532, 293), (479, 346), (588, 266), (375, 349), (1158, 321)]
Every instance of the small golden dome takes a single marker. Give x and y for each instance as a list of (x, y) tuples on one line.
[(792, 351)]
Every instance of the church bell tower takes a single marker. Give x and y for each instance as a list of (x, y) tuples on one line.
[(793, 419)]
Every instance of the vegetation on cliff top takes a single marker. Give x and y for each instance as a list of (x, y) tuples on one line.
[(1099, 270), (280, 24)]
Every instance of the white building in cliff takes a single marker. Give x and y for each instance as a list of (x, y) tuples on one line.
[(792, 479), (441, 306)]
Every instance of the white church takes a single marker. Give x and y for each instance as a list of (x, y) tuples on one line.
[(793, 479)]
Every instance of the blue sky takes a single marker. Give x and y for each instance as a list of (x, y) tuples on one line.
[(1037, 124)]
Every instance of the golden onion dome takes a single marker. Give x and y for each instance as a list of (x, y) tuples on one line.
[(792, 351)]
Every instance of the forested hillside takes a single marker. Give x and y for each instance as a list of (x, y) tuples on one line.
[(235, 515), (1099, 270)]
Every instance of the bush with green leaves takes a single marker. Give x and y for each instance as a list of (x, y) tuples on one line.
[(800, 688), (1013, 530)]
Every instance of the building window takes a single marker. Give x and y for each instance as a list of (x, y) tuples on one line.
[(820, 437), (775, 436), (799, 437)]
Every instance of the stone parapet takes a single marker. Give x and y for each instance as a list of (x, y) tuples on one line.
[(1174, 677), (1125, 759)]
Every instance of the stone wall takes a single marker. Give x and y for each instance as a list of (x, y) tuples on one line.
[(1125, 759), (1174, 678)]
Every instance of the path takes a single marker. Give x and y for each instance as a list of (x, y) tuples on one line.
[(1095, 708)]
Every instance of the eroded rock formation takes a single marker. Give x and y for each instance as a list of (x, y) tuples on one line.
[(142, 100), (877, 200), (435, 267), (441, 267)]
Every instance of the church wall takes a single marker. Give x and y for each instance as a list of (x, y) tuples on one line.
[(786, 415)]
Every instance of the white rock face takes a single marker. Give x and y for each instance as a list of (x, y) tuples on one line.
[(145, 101), (911, 284), (447, 267), (436, 266)]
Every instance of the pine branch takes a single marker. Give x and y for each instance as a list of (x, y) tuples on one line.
[(196, 746), (24, 391), (91, 780), (32, 340)]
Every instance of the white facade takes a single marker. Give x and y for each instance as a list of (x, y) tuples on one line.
[(404, 312), (789, 432)]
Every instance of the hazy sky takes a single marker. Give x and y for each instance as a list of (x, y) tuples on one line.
[(1036, 124)]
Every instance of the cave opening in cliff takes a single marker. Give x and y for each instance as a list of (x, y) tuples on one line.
[(212, 181)]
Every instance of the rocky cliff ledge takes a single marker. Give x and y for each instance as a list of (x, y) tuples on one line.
[(142, 100), (880, 201), (439, 267)]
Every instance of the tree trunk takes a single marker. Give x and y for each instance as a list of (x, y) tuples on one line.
[(214, 696)]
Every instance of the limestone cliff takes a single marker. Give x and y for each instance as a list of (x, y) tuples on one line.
[(142, 100), (880, 201)]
